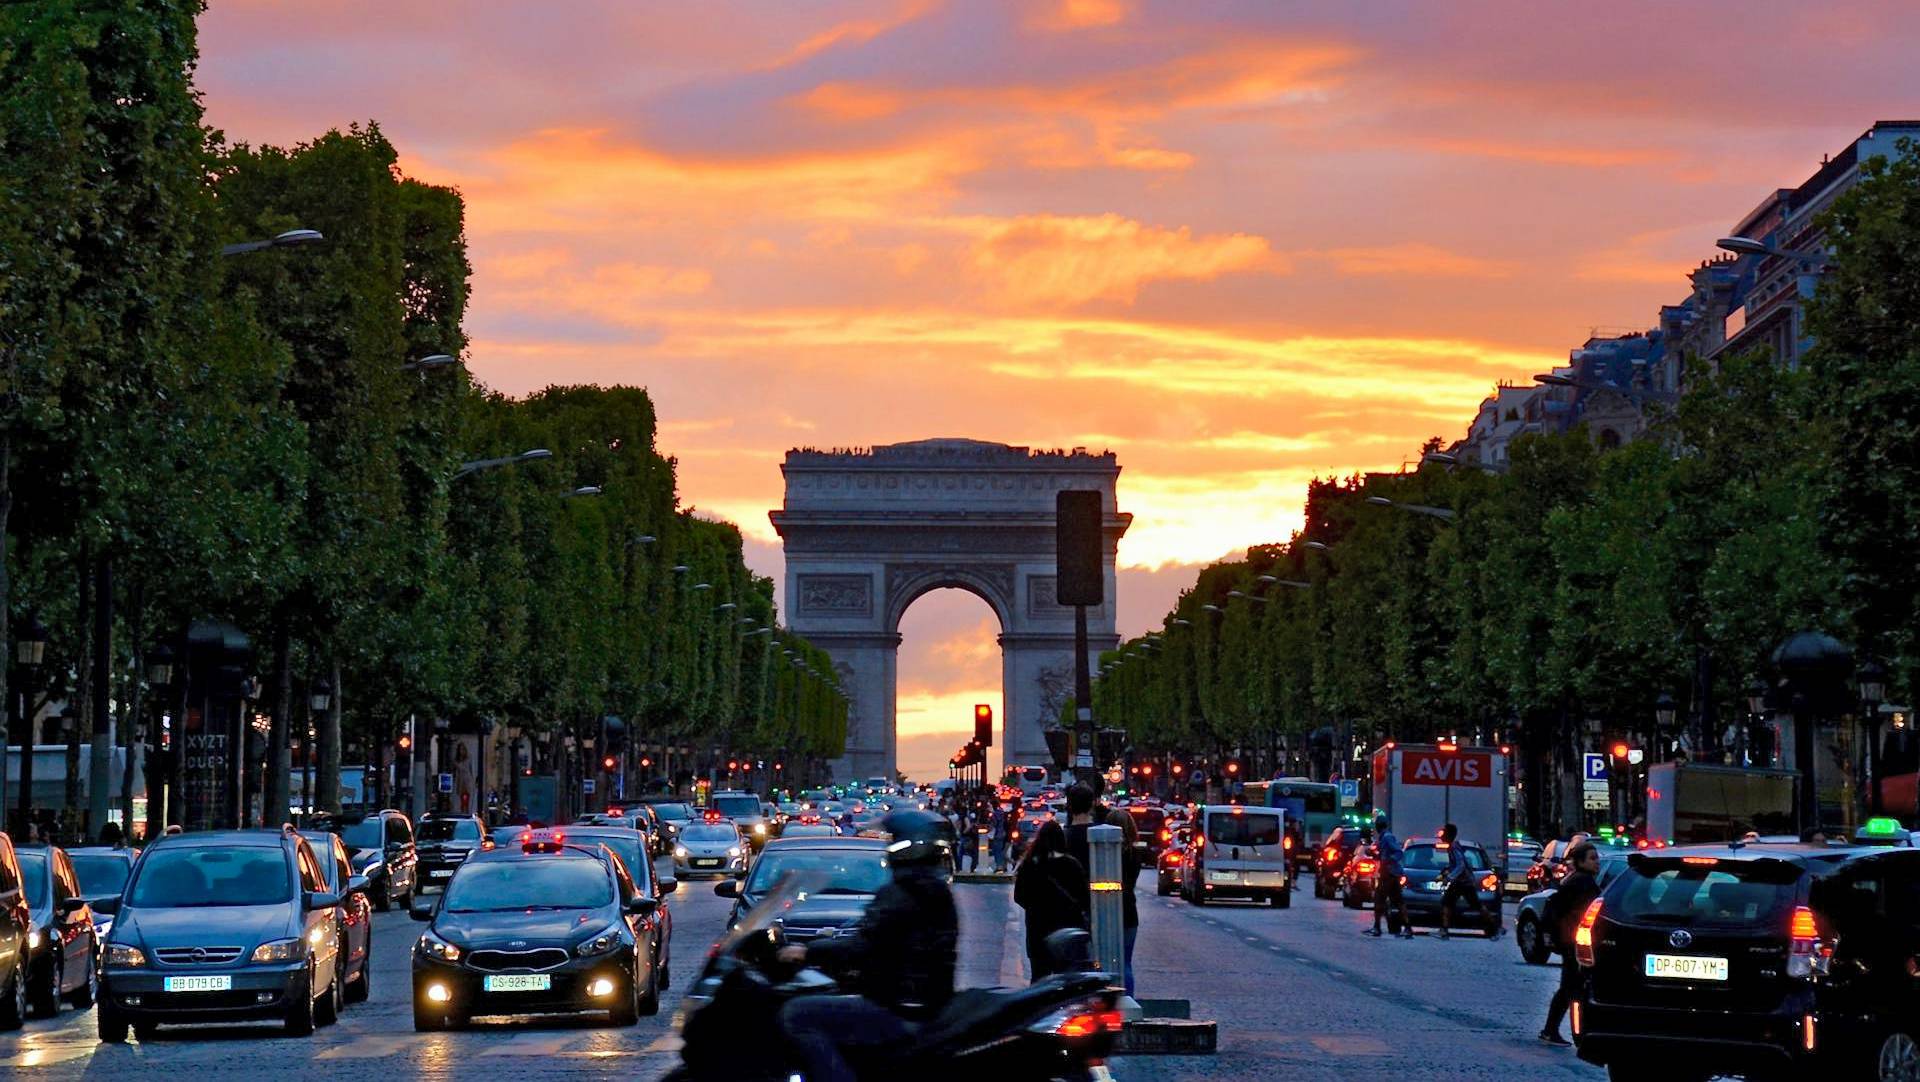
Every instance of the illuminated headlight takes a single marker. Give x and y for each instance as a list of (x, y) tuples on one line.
[(279, 950), (120, 954), (314, 937), (680, 851), (34, 939), (600, 988), (733, 851), (438, 993), (759, 828), (600, 944), (435, 947)]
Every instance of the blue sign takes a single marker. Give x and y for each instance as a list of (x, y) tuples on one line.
[(1349, 792), (1596, 766)]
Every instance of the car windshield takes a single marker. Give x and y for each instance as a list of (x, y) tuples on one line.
[(100, 874), (1243, 828), (679, 812), (842, 871), (362, 835), (1727, 893), (628, 847), (33, 872), (534, 883), (449, 830), (212, 876), (710, 832), (1432, 858), (737, 805)]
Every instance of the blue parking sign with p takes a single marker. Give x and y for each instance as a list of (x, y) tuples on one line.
[(1596, 767)]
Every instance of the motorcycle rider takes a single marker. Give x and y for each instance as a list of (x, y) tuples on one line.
[(903, 947)]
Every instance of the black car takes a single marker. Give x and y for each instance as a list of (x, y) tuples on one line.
[(845, 874), (354, 917), (61, 943), (1332, 859), (1774, 960), (103, 872), (380, 846), (15, 923), (673, 817), (630, 847), (223, 926), (1422, 886), (548, 926), (442, 845)]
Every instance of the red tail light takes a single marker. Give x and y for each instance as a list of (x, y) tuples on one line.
[(1173, 859), (1807, 956), (1330, 855), (1489, 881), (1088, 1023), (1365, 867), (1583, 935), (1286, 845)]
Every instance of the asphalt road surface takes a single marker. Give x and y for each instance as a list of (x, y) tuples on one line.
[(1298, 994)]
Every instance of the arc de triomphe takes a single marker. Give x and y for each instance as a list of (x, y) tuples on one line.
[(868, 531)]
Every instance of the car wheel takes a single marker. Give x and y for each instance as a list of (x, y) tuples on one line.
[(89, 991), (362, 986), (43, 996), (1533, 945), (327, 1011), (382, 899), (650, 1002), (1899, 1059), (113, 1024), (299, 1018)]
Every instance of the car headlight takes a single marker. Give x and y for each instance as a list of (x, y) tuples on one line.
[(280, 950), (759, 828), (34, 938), (679, 850), (733, 851), (435, 947), (121, 954), (607, 940)]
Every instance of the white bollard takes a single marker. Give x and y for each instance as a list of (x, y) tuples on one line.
[(1109, 911)]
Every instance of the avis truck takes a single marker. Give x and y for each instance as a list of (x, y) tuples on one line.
[(1422, 787)]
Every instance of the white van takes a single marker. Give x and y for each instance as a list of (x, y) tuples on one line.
[(1238, 852)]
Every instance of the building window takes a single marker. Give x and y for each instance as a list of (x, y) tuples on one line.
[(1609, 439)]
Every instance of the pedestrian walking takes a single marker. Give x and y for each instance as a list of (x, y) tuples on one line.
[(1563, 912), (1460, 877), (1387, 893), (1051, 887), (997, 839)]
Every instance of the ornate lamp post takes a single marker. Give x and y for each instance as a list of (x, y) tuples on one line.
[(1664, 711), (29, 653), (1814, 667), (1872, 679), (319, 698)]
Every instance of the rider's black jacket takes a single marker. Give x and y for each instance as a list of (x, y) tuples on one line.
[(903, 948)]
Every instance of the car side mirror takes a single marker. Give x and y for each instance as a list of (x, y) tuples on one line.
[(69, 906), (727, 888), (357, 884), (107, 907), (668, 884), (642, 907), (422, 912), (320, 899)]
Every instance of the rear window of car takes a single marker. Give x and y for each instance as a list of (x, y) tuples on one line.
[(1422, 858), (1243, 828), (1732, 894), (450, 830), (737, 805), (673, 811), (1148, 818)]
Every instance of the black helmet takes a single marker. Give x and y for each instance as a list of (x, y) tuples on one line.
[(917, 838)]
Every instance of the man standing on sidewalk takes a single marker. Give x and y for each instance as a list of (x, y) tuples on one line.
[(1386, 888)]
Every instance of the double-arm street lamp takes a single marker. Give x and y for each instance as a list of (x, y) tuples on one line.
[(1644, 394), (480, 464), (1750, 246), (1442, 458), (1443, 513), (431, 361), (292, 238)]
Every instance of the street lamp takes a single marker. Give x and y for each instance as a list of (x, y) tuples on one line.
[(1664, 710), (703, 585), (1246, 596), (1872, 679), (1442, 458), (30, 651), (643, 539), (430, 361), (30, 642), (583, 490), (1558, 379), (1319, 546), (480, 464), (1750, 246), (1215, 609), (159, 665), (1179, 622), (681, 569), (292, 238), (1443, 513), (1873, 684)]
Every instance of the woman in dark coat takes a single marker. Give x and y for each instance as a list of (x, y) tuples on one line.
[(1052, 887)]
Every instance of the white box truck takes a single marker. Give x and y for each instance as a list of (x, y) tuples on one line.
[(1701, 802), (1422, 787)]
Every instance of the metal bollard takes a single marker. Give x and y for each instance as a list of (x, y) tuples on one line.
[(1109, 913)]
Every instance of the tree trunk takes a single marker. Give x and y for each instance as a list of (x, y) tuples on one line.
[(6, 642), (326, 777), (133, 702), (100, 746), (79, 707), (276, 797)]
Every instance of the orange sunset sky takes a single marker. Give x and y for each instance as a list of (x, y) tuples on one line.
[(1239, 244)]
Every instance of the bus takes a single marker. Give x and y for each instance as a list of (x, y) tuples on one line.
[(1030, 780), (1315, 804)]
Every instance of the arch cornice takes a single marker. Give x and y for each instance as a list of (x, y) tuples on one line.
[(908, 582)]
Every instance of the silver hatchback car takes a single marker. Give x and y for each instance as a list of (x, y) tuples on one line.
[(710, 847)]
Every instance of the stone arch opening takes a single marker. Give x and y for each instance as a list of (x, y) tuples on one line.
[(950, 660), (867, 532)]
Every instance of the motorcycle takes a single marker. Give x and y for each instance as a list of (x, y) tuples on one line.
[(1059, 1029)]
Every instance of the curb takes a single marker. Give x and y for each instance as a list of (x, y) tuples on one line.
[(981, 877)]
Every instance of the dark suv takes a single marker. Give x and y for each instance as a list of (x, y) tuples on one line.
[(540, 927), (61, 945), (1753, 960), (443, 844), (228, 925), (380, 846)]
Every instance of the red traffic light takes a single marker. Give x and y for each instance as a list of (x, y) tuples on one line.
[(609, 763), (1233, 768), (733, 764), (404, 742), (1620, 751), (645, 761)]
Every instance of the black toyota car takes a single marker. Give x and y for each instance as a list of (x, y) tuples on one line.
[(542, 927), (442, 845), (1758, 961)]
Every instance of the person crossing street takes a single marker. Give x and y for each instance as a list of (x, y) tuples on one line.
[(1387, 890), (1563, 912)]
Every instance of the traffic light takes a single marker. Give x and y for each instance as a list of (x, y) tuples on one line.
[(609, 762), (983, 725), (1620, 750)]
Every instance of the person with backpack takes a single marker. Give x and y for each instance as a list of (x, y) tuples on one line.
[(1387, 892), (1563, 912), (1051, 887)]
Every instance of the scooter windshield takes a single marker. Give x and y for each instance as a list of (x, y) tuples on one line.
[(792, 887)]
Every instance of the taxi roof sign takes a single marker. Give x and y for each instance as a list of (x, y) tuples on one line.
[(542, 841), (1882, 826)]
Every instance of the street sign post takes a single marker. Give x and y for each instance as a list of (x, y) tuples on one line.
[(1595, 793), (1349, 792), (443, 783)]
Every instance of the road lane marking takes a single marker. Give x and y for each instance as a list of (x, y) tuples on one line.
[(371, 1046), (533, 1045)]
